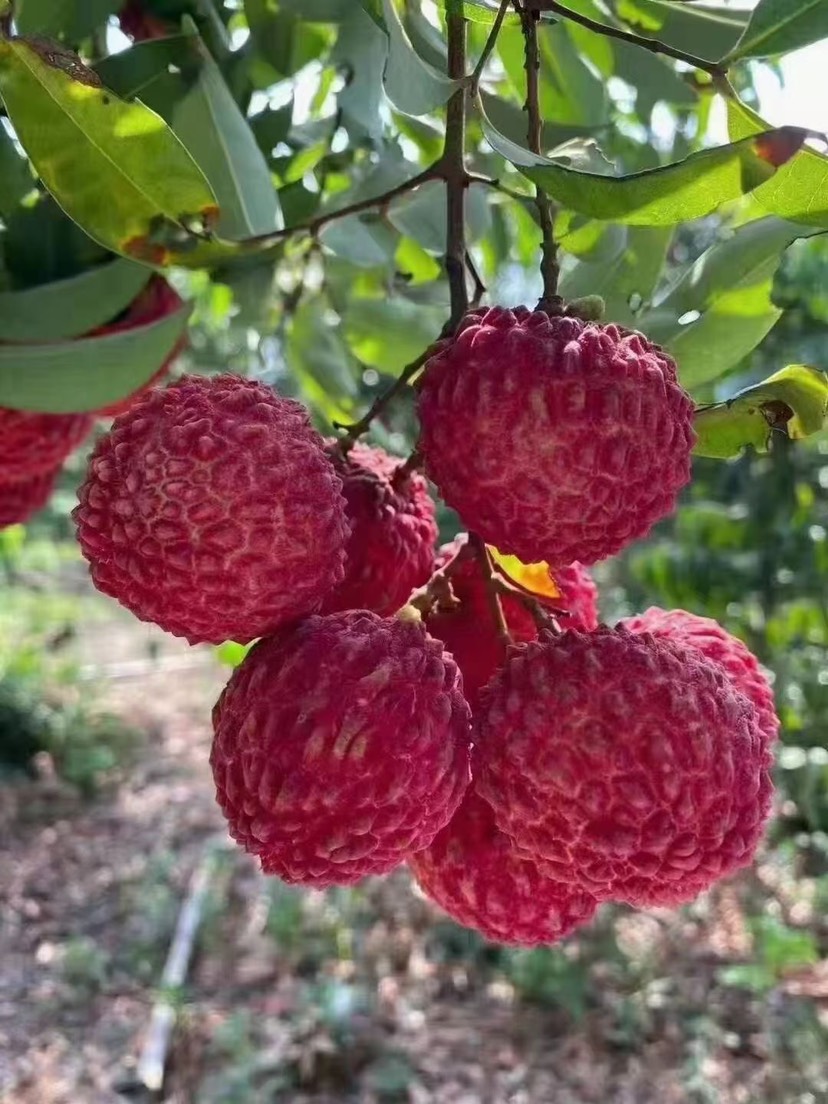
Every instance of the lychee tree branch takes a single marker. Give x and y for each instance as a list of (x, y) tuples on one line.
[(491, 42), (550, 270), (651, 44), (454, 165), (382, 401)]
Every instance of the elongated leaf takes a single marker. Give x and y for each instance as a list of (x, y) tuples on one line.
[(411, 84), (658, 197), (179, 80), (624, 281), (778, 26), (799, 190), (71, 20), (69, 308), (793, 401), (116, 168), (387, 334), (721, 307), (90, 372), (708, 32)]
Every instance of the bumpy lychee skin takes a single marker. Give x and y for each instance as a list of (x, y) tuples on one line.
[(553, 438), (211, 509), (474, 873), (142, 25), (156, 301), (341, 745), (390, 552), (720, 647), (627, 766), (32, 444), (23, 498), (468, 630)]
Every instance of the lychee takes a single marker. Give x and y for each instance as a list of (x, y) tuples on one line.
[(23, 498), (157, 300), (473, 872), (626, 766), (390, 552), (341, 745), (467, 628), (211, 509), (720, 647), (575, 437), (32, 444), (142, 25)]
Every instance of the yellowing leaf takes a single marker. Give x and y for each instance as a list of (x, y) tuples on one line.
[(116, 168), (534, 578)]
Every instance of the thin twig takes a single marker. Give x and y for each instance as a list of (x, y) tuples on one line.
[(379, 404), (550, 270), (651, 44), (405, 470), (480, 288), (492, 589), (314, 225), (491, 42)]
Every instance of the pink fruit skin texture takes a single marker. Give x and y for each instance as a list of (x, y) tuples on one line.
[(474, 873), (624, 765), (156, 301), (33, 444), (721, 648), (554, 439), (469, 632), (211, 509), (341, 745), (22, 499), (391, 550)]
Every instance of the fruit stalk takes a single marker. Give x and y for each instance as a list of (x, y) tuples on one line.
[(454, 164), (549, 260), (492, 589)]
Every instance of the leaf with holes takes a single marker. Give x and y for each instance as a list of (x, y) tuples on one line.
[(793, 401)]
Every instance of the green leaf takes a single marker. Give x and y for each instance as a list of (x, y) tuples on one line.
[(706, 32), (364, 241), (178, 78), (387, 334), (71, 20), (792, 401), (90, 372), (16, 181), (664, 196), (231, 654), (411, 84), (361, 49), (721, 307), (422, 215), (116, 168), (778, 26), (286, 42), (68, 308), (320, 362), (799, 190), (624, 281)]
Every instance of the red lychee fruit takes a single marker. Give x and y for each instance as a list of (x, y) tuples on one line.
[(341, 745), (142, 25), (157, 300), (467, 628), (390, 552), (23, 498), (553, 438), (211, 509), (33, 444), (473, 872), (720, 647), (626, 766)]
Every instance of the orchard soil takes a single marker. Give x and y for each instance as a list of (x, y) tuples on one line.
[(374, 1002)]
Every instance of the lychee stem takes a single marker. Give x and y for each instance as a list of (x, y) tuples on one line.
[(454, 164), (550, 300), (492, 588)]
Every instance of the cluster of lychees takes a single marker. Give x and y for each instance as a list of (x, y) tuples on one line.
[(526, 762), (34, 447)]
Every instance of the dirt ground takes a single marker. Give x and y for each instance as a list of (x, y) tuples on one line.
[(363, 997)]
